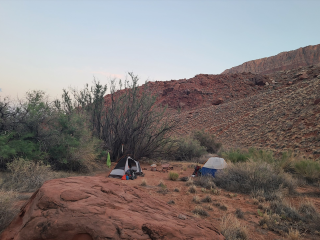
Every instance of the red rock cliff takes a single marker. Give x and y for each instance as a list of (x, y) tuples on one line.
[(283, 61)]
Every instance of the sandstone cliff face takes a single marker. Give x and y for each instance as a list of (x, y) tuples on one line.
[(301, 57)]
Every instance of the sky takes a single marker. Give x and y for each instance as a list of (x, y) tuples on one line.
[(53, 45)]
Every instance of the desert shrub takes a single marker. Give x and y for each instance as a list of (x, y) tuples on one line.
[(162, 185), (308, 169), (239, 213), (243, 155), (26, 175), (173, 176), (207, 140), (232, 229), (293, 234), (186, 149), (192, 189), (223, 207), (206, 199), (176, 190), (200, 211), (206, 182), (7, 212), (184, 179), (285, 211), (308, 210), (236, 155), (171, 202), (196, 199), (248, 176)]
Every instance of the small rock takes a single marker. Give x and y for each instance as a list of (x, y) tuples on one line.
[(183, 217), (303, 76)]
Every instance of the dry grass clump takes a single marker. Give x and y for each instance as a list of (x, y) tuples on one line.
[(206, 199), (285, 210), (206, 182), (293, 234), (163, 188), (171, 202), (26, 175), (143, 183), (239, 213), (200, 211), (7, 212), (232, 229), (196, 199), (192, 189), (173, 176), (189, 182)]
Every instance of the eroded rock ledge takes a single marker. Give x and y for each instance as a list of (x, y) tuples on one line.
[(92, 208)]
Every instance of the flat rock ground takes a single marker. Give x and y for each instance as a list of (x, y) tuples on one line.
[(183, 201)]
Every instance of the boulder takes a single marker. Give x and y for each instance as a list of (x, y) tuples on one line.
[(94, 208), (217, 101)]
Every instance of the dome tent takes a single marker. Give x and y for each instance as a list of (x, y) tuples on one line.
[(212, 165), (123, 165)]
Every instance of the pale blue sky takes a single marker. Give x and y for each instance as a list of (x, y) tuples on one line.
[(50, 45)]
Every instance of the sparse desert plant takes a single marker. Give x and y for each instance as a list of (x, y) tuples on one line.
[(215, 191), (248, 176), (176, 190), (162, 185), (171, 202), (189, 182), (308, 210), (223, 207), (200, 211), (206, 199), (232, 229), (192, 189), (196, 199), (26, 175), (7, 212), (205, 182), (143, 183), (239, 213), (293, 234), (173, 176)]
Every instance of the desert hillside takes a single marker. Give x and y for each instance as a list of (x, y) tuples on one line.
[(283, 61)]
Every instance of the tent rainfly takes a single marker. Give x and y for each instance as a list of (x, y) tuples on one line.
[(123, 166), (212, 165)]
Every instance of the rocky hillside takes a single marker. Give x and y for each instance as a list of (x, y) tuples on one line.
[(283, 116), (283, 61)]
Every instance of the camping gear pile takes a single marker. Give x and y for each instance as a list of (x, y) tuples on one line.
[(126, 168), (212, 165)]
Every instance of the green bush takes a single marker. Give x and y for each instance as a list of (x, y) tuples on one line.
[(308, 169), (173, 176), (236, 155), (207, 140), (186, 149)]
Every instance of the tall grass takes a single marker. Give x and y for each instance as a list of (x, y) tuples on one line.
[(7, 212)]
